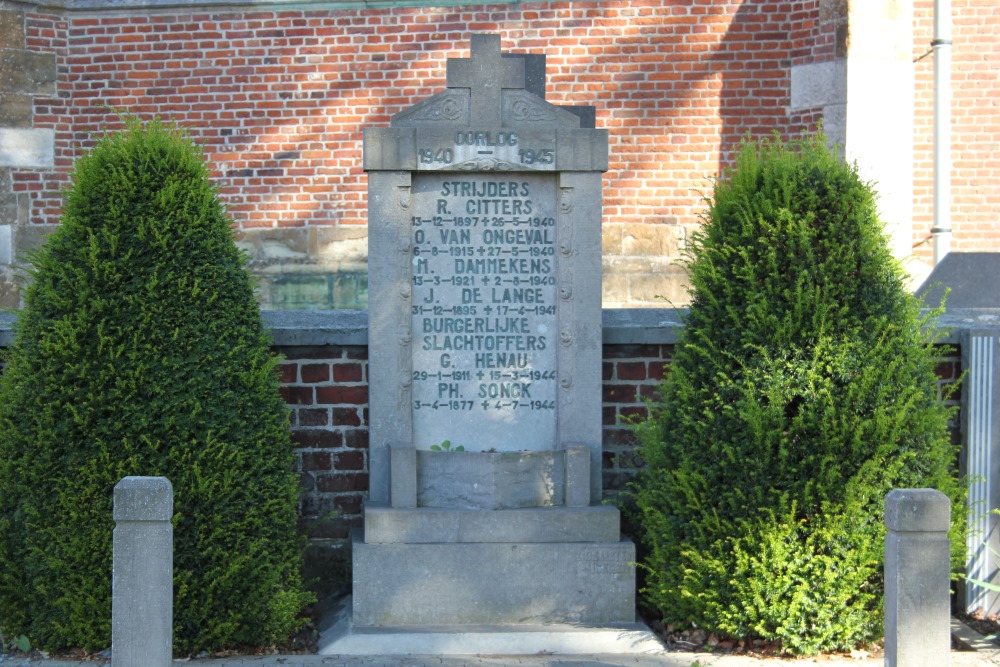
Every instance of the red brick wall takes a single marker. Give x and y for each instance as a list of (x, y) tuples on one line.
[(279, 99), (975, 126)]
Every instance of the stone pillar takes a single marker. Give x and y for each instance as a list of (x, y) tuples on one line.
[(24, 75), (142, 580), (872, 68), (917, 567)]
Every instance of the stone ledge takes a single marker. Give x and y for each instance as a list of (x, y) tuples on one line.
[(128, 6), (621, 326), (597, 523)]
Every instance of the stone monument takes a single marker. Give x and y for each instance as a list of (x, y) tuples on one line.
[(485, 361)]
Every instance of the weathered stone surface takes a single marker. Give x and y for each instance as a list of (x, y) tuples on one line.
[(490, 480), (15, 110), (142, 579), (143, 499), (305, 249), (28, 237), (493, 583), (653, 240), (597, 523), (26, 147), (28, 72), (11, 29), (6, 237), (917, 511), (611, 238)]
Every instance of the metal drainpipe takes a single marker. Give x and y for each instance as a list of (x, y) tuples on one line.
[(941, 232)]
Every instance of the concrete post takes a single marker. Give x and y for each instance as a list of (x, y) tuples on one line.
[(142, 578), (917, 566)]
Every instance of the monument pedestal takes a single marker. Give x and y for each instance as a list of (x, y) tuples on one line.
[(484, 515), (476, 578)]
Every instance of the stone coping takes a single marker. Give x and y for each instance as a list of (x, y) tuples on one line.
[(621, 326), (296, 328), (130, 6)]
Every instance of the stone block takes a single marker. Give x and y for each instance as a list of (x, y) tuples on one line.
[(614, 289), (596, 523), (29, 237), (666, 288), (6, 239), (28, 72), (11, 29), (25, 147), (818, 84), (143, 499), (16, 110), (652, 240), (611, 239), (917, 511), (490, 480), (493, 583), (343, 247), (268, 245)]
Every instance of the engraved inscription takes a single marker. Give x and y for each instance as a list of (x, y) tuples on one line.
[(484, 311), (486, 150)]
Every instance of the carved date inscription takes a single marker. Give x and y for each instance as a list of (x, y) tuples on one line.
[(484, 311)]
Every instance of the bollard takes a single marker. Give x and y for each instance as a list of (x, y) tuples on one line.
[(917, 570), (142, 577)]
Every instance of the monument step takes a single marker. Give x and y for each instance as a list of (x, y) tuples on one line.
[(493, 583), (428, 525), (342, 637)]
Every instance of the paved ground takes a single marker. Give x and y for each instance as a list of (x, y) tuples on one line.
[(988, 655), (958, 659)]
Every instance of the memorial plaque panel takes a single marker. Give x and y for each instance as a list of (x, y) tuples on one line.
[(484, 311)]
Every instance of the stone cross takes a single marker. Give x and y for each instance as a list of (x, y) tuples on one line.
[(486, 72)]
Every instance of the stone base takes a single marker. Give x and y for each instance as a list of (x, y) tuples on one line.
[(339, 636), (597, 523), (462, 584)]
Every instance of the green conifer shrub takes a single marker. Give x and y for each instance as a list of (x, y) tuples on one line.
[(801, 392), (141, 351)]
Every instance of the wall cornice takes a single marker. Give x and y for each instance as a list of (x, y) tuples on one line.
[(159, 6), (620, 326)]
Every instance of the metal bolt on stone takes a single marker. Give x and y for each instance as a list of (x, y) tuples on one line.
[(142, 577), (917, 566)]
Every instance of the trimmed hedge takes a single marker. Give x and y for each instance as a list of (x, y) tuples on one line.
[(141, 351), (801, 392)]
